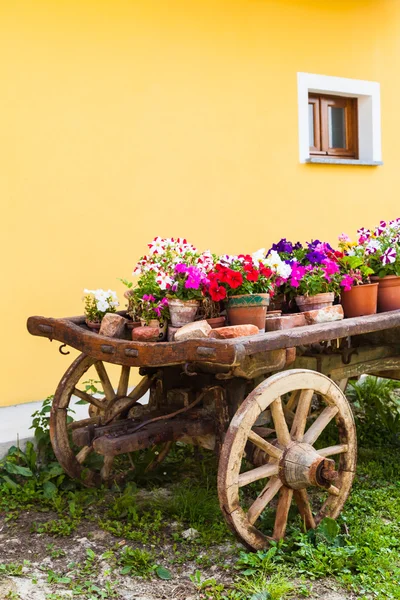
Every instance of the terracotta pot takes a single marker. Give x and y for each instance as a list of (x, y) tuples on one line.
[(215, 322), (388, 292), (155, 323), (182, 311), (94, 325), (306, 303), (248, 309), (360, 300)]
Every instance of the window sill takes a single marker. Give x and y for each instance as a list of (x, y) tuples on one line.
[(343, 161)]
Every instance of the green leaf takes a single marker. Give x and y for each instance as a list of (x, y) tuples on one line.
[(49, 489), (17, 469), (163, 573), (126, 570), (90, 553), (9, 481), (329, 528), (81, 402), (261, 596)]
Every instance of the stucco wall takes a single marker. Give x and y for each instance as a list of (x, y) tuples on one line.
[(121, 120)]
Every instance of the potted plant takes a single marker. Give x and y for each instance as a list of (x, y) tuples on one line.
[(245, 283), (180, 272), (382, 249), (97, 304), (154, 313), (359, 296)]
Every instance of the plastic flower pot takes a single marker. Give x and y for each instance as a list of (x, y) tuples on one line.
[(248, 309), (306, 303), (182, 312), (388, 292), (360, 300)]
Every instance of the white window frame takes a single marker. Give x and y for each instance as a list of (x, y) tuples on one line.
[(369, 115)]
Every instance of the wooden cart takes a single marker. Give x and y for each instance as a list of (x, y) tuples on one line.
[(261, 403)]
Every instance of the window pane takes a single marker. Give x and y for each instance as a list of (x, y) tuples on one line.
[(337, 127), (311, 123)]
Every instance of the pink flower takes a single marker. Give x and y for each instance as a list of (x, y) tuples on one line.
[(343, 237), (347, 283), (331, 267), (389, 256), (364, 234)]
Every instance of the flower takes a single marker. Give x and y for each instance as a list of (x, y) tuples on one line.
[(258, 255), (343, 237), (331, 267), (164, 281), (217, 292), (381, 228), (315, 257), (347, 283), (372, 246), (157, 246), (389, 256), (233, 278)]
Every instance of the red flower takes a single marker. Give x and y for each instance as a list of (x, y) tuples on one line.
[(266, 271), (233, 278), (217, 292), (252, 274)]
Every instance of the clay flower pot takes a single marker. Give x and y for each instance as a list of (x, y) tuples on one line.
[(360, 300), (93, 325), (388, 292), (306, 303), (215, 322), (182, 312), (248, 309)]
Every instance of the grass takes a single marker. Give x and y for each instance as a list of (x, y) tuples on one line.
[(360, 551)]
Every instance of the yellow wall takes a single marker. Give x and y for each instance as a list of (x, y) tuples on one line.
[(125, 119)]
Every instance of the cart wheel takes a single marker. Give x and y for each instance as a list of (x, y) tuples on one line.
[(289, 459), (90, 468)]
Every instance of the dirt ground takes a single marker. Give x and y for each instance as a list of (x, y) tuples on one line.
[(46, 555)]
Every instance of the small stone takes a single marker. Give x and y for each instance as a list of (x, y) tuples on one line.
[(190, 534), (324, 315), (285, 322), (233, 331), (112, 325), (145, 334), (197, 329)]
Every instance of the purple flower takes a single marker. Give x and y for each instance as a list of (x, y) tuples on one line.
[(315, 257), (283, 246), (149, 298), (157, 310), (164, 301), (389, 256), (174, 286), (381, 228)]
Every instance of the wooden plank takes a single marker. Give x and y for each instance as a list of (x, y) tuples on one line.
[(227, 352)]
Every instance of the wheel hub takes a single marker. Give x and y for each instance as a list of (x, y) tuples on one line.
[(302, 466)]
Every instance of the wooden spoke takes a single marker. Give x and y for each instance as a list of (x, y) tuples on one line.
[(83, 454), (270, 490), (88, 398), (123, 381), (300, 418), (259, 473), (331, 450), (264, 445), (281, 428), (282, 511), (105, 380), (107, 467), (303, 504), (333, 490), (313, 433), (291, 403)]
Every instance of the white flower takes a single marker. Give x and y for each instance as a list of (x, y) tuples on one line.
[(164, 281), (274, 262), (259, 255), (156, 246), (372, 246)]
